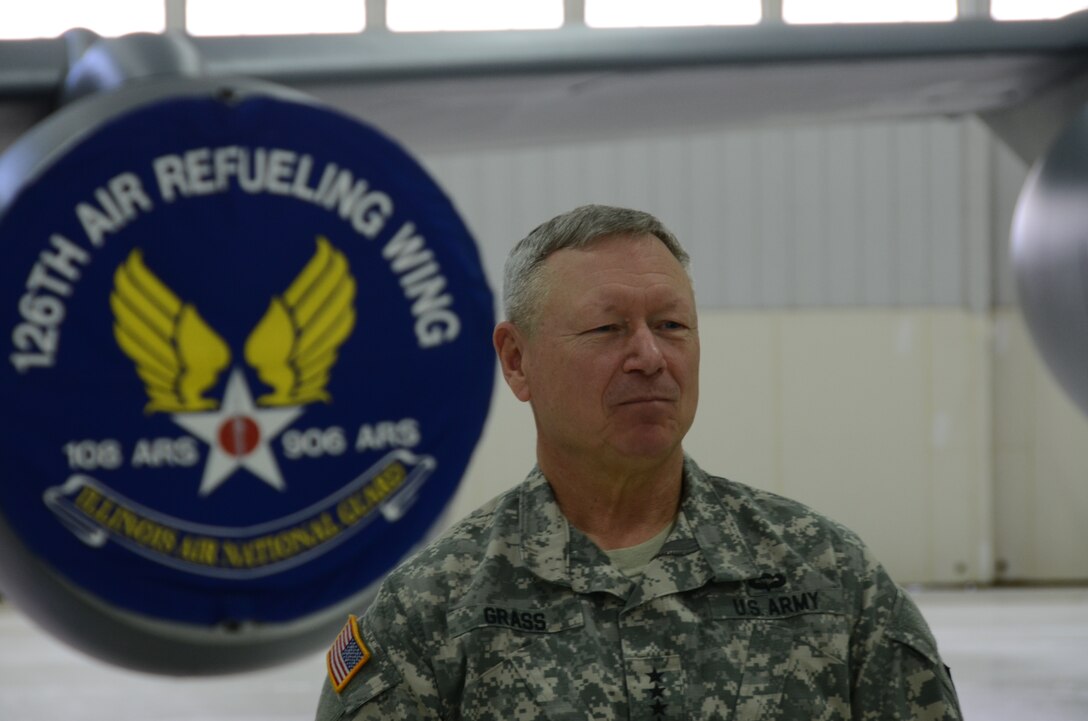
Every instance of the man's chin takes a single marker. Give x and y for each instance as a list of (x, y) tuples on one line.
[(650, 445)]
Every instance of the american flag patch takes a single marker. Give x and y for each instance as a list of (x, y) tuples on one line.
[(347, 655)]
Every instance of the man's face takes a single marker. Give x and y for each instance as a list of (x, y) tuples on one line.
[(611, 368)]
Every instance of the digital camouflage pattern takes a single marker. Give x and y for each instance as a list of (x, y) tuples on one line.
[(756, 607)]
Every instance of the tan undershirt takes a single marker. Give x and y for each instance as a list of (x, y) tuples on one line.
[(632, 560)]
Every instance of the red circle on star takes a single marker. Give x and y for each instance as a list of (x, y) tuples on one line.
[(239, 435)]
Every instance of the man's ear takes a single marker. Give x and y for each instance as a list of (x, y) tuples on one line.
[(510, 347)]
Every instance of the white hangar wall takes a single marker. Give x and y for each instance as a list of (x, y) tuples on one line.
[(861, 347)]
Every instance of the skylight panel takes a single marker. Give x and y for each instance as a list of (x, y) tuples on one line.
[(436, 15), (1035, 10), (671, 13), (50, 18), (866, 11), (274, 17)]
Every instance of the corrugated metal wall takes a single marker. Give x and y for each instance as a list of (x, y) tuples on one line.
[(855, 215)]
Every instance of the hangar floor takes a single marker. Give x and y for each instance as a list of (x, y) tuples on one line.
[(1015, 654)]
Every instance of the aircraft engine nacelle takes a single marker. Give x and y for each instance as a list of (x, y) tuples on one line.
[(1050, 256)]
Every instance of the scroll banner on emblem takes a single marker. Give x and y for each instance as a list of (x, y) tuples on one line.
[(248, 358), (97, 514)]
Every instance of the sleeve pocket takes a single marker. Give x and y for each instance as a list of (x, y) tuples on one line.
[(909, 628), (375, 678), (920, 663)]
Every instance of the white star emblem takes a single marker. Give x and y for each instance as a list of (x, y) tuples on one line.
[(238, 434)]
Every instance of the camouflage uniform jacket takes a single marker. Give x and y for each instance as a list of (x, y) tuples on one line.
[(755, 608)]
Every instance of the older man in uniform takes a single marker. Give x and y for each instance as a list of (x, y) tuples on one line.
[(620, 580)]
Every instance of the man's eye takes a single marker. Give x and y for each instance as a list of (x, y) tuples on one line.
[(672, 325), (604, 328)]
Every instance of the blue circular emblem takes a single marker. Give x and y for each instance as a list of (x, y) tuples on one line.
[(248, 359)]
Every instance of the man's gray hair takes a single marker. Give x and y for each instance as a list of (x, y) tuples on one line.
[(523, 284)]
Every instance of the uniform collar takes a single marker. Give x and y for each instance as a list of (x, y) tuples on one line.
[(545, 532), (765, 540), (712, 520), (707, 523)]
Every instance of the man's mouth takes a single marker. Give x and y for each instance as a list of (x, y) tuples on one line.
[(648, 399)]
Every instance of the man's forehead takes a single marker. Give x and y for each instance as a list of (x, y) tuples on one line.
[(595, 294), (578, 278)]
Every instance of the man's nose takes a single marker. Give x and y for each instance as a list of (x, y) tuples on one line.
[(644, 352)]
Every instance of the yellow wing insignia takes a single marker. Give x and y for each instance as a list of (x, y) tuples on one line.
[(295, 343), (177, 354)]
